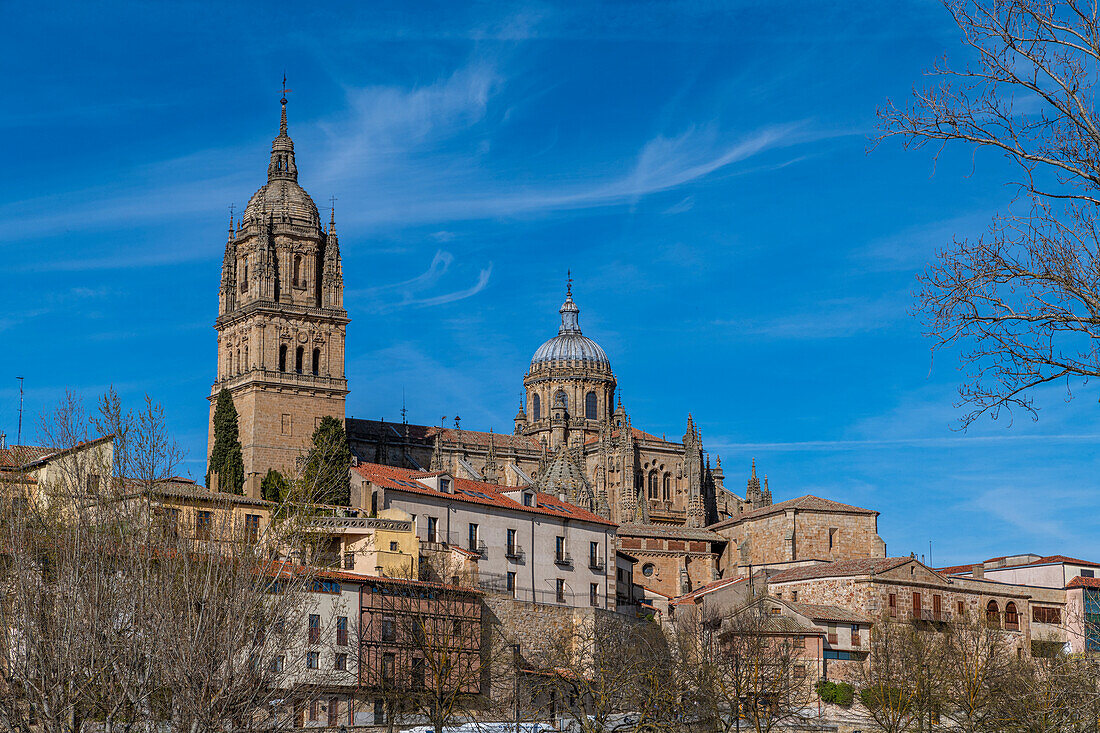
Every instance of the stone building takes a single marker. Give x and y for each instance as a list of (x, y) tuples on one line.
[(798, 531), (281, 320)]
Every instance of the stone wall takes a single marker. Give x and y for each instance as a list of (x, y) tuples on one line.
[(794, 535)]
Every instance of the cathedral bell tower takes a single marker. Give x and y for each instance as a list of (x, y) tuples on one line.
[(281, 321)]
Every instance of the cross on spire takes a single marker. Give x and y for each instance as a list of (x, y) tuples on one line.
[(232, 208), (332, 200), (569, 283), (285, 90)]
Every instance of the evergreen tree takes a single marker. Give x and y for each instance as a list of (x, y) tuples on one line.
[(225, 456), (326, 467), (274, 487)]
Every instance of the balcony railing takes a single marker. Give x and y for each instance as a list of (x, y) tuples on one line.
[(563, 559), (597, 563), (514, 552)]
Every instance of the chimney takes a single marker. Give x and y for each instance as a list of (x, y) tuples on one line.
[(978, 571), (3, 440)]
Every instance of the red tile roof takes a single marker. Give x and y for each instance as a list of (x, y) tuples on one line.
[(694, 595), (634, 433), (475, 492), (1047, 560), (19, 455), (823, 612), (1080, 582), (841, 568), (808, 503)]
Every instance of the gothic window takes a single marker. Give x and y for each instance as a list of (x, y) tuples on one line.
[(246, 357), (244, 277), (228, 363), (668, 488), (238, 369), (316, 362), (297, 270), (536, 407), (653, 485), (299, 354), (590, 406), (282, 358)]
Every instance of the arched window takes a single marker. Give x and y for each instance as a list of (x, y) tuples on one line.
[(297, 270), (654, 485), (228, 363), (1012, 618), (668, 488), (316, 362), (244, 276), (561, 400), (536, 407), (282, 358), (298, 355), (590, 406), (993, 614), (246, 367), (238, 369)]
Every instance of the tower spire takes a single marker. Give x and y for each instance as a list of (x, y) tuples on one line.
[(282, 164)]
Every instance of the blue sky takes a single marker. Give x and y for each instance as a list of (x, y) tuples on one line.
[(704, 169)]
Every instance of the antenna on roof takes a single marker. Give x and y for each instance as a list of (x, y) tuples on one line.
[(19, 434)]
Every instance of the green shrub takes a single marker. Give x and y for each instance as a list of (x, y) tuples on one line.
[(838, 693)]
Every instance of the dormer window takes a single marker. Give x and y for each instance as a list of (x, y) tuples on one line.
[(445, 485), (528, 498)]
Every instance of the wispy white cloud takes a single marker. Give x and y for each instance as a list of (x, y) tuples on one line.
[(422, 290), (827, 318)]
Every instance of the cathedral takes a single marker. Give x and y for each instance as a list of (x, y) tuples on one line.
[(281, 326)]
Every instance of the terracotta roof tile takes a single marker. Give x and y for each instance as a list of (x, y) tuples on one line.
[(475, 492), (840, 568), (1080, 582), (672, 531), (808, 503), (823, 612), (708, 588)]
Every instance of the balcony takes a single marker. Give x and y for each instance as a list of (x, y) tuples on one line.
[(563, 559), (597, 564), (514, 553)]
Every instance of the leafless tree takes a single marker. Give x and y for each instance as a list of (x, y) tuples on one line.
[(976, 674), (1023, 301), (113, 616), (607, 674), (897, 681)]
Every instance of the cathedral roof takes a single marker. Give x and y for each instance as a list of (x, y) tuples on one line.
[(570, 345), (282, 195)]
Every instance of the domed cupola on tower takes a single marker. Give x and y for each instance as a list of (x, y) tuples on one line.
[(570, 386), (281, 320)]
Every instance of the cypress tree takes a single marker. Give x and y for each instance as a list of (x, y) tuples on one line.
[(274, 487), (327, 464), (225, 456)]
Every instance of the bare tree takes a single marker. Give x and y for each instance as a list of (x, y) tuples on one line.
[(896, 680), (1023, 301), (976, 675), (112, 615), (608, 674)]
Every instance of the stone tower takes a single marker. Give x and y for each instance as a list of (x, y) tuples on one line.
[(281, 321)]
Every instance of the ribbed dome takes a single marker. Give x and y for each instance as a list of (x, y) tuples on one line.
[(569, 344), (280, 197)]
